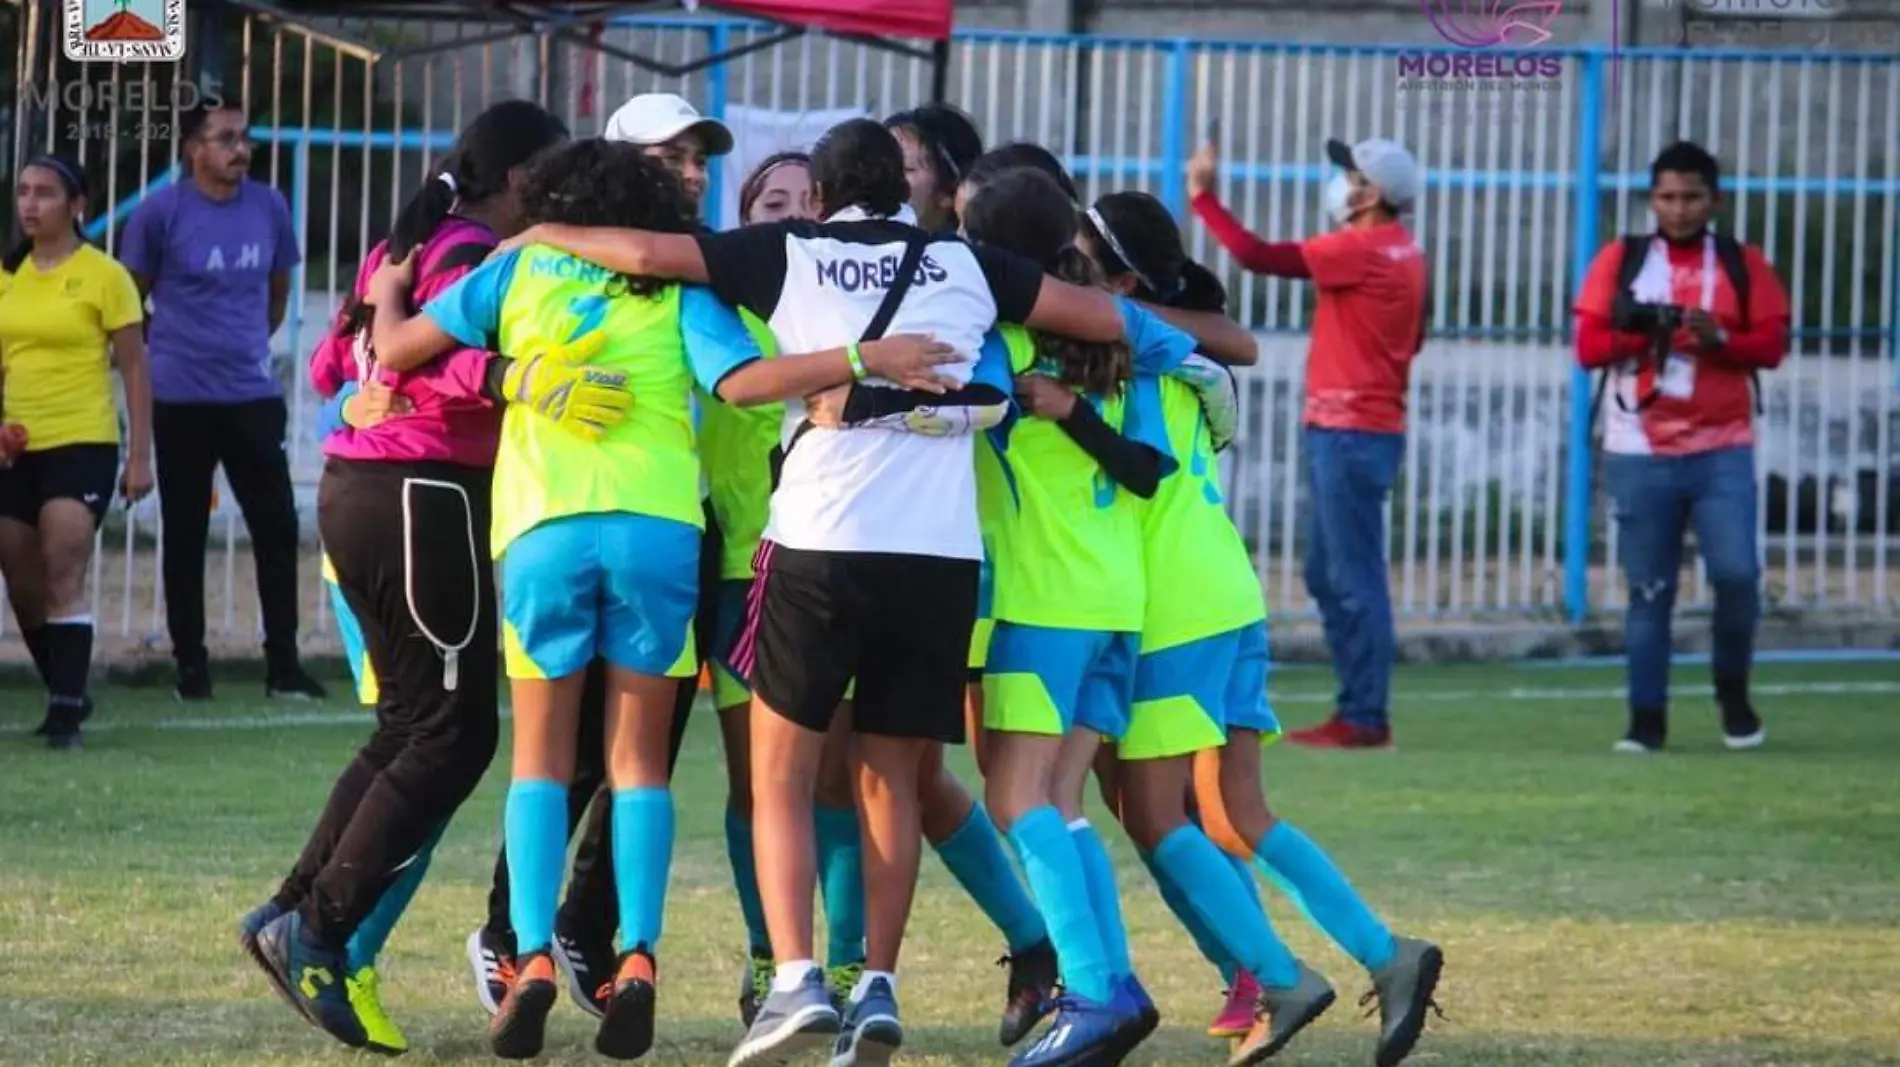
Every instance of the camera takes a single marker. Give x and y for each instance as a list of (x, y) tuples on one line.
[(1635, 316)]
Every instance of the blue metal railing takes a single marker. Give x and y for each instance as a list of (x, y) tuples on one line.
[(1586, 187)]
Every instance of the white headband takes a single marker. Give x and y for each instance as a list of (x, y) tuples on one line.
[(449, 180)]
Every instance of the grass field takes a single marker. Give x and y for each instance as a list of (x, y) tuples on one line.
[(1704, 907)]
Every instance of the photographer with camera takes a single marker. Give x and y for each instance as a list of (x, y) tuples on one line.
[(1681, 321)]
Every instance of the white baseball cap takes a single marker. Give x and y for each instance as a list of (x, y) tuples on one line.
[(1385, 164), (656, 118)]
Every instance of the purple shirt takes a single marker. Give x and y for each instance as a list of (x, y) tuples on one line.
[(449, 419), (210, 263)]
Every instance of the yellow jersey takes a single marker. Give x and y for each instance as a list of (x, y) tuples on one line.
[(54, 351)]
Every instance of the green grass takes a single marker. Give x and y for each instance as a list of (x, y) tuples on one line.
[(1701, 908)]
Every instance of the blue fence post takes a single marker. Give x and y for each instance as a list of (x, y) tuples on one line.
[(717, 41), (1174, 119), (1584, 243)]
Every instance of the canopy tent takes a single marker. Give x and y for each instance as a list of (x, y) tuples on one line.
[(886, 24)]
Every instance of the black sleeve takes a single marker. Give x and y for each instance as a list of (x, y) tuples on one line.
[(876, 402), (492, 376), (1134, 466), (747, 266), (1014, 281)]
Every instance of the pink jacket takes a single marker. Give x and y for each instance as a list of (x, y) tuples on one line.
[(450, 421)]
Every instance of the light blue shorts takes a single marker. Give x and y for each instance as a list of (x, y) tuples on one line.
[(1188, 697), (1042, 680), (617, 586)]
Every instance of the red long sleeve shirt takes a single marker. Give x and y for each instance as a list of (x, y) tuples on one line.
[(1708, 403), (1369, 321)]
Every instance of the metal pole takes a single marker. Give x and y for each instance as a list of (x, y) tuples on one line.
[(1587, 205), (940, 71)]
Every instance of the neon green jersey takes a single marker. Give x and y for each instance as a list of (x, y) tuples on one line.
[(736, 446), (1201, 581), (526, 302), (1064, 540)]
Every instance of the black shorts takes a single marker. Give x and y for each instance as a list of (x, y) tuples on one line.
[(900, 625), (87, 473)]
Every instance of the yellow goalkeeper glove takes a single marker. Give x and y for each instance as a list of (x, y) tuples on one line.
[(559, 386)]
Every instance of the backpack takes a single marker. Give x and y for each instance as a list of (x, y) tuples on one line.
[(1728, 252)]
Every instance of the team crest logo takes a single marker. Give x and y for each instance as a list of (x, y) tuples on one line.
[(122, 31)]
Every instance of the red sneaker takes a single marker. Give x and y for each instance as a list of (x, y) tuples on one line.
[(1338, 733)]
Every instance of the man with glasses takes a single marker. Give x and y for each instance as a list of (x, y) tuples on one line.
[(214, 252)]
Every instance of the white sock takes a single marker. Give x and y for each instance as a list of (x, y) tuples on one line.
[(789, 975), (865, 980)]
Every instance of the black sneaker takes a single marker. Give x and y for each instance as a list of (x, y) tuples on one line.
[(589, 964), (293, 683), (492, 957), (1648, 730), (1032, 991), (62, 728), (1741, 727), (194, 682), (46, 724)]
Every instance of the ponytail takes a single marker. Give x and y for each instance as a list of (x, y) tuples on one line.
[(418, 219), (506, 135), (1095, 368)]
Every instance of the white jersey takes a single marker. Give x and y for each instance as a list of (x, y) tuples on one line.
[(818, 286)]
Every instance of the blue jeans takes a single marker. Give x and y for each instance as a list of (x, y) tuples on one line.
[(1655, 498), (1348, 475)]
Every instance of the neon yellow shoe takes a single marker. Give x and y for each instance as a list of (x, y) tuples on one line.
[(366, 998)]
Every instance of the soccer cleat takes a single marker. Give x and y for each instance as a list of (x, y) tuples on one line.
[(249, 928), (314, 978), (492, 957), (366, 997), (789, 1022), (1084, 1031), (194, 682), (1282, 1014), (293, 683), (755, 984), (589, 964), (1236, 1015), (870, 1033), (626, 1025), (64, 736), (1404, 988), (1338, 733), (520, 1025), (1032, 991), (46, 724), (1134, 993), (842, 980)]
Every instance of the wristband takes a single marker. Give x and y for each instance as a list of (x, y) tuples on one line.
[(851, 353)]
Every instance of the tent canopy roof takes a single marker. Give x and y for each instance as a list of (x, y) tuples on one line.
[(927, 19), (880, 23)]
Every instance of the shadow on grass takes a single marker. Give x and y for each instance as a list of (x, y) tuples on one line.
[(266, 1034)]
